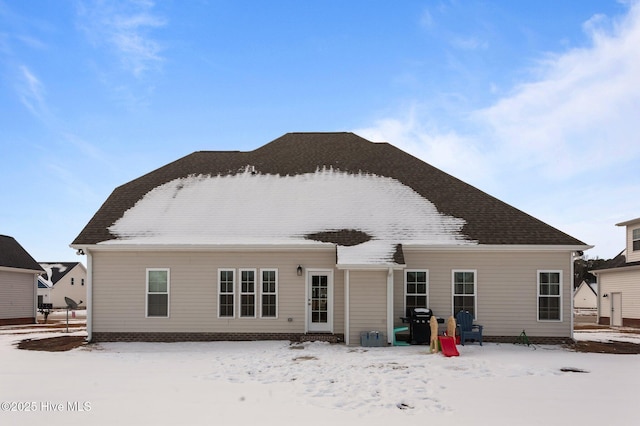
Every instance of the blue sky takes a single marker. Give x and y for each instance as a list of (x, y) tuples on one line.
[(535, 102)]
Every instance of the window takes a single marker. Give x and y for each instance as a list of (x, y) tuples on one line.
[(464, 292), (635, 239), (72, 281), (269, 293), (157, 292), (247, 292), (549, 295), (81, 281), (226, 284), (416, 290)]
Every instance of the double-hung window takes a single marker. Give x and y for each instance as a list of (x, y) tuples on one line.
[(635, 239), (416, 290), (157, 292), (247, 292), (226, 285), (464, 291), (549, 295), (269, 293)]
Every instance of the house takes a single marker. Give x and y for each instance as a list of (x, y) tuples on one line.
[(43, 292), (18, 277), (317, 236), (60, 280), (586, 296), (619, 282)]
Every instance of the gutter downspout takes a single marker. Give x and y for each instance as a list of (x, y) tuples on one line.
[(346, 307), (598, 293), (35, 298), (390, 306), (573, 256), (89, 296), (573, 259)]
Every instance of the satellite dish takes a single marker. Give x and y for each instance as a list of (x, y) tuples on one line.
[(71, 304)]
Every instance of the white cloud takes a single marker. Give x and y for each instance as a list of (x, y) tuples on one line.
[(419, 136), (583, 106), (124, 27), (470, 43), (31, 93), (572, 125), (426, 19)]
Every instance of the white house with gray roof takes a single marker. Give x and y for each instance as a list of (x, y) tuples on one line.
[(619, 282), (18, 281), (317, 235)]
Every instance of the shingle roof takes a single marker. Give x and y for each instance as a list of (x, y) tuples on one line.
[(58, 270), (620, 261), (487, 219), (13, 255)]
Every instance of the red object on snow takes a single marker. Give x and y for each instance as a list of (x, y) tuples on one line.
[(457, 337), (448, 346)]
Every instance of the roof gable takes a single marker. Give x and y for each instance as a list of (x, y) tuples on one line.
[(294, 157), (55, 271)]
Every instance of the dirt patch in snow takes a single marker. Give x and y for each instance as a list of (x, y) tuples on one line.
[(66, 343), (52, 344), (606, 347)]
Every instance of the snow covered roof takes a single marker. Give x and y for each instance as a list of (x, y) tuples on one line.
[(252, 208), (55, 271), (367, 198)]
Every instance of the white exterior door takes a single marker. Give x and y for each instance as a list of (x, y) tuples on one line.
[(616, 309), (319, 301)]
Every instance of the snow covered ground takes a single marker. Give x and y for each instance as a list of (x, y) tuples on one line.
[(276, 383)]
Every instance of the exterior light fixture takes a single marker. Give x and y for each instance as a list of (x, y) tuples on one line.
[(299, 270)]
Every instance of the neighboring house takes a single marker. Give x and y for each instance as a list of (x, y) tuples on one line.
[(317, 236), (586, 296), (18, 277), (60, 280), (44, 292), (619, 282)]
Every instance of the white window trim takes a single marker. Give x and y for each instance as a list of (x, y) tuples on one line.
[(248, 293), (475, 290), (404, 301), (146, 293), (633, 239), (538, 295), (260, 293), (233, 293)]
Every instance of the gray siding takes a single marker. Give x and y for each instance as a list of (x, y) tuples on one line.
[(17, 295), (367, 303), (119, 291), (625, 282), (506, 291), (506, 288), (632, 256), (63, 288)]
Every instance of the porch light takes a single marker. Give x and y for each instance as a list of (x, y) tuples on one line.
[(299, 270)]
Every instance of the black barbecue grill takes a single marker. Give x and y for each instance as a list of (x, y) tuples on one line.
[(419, 327)]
